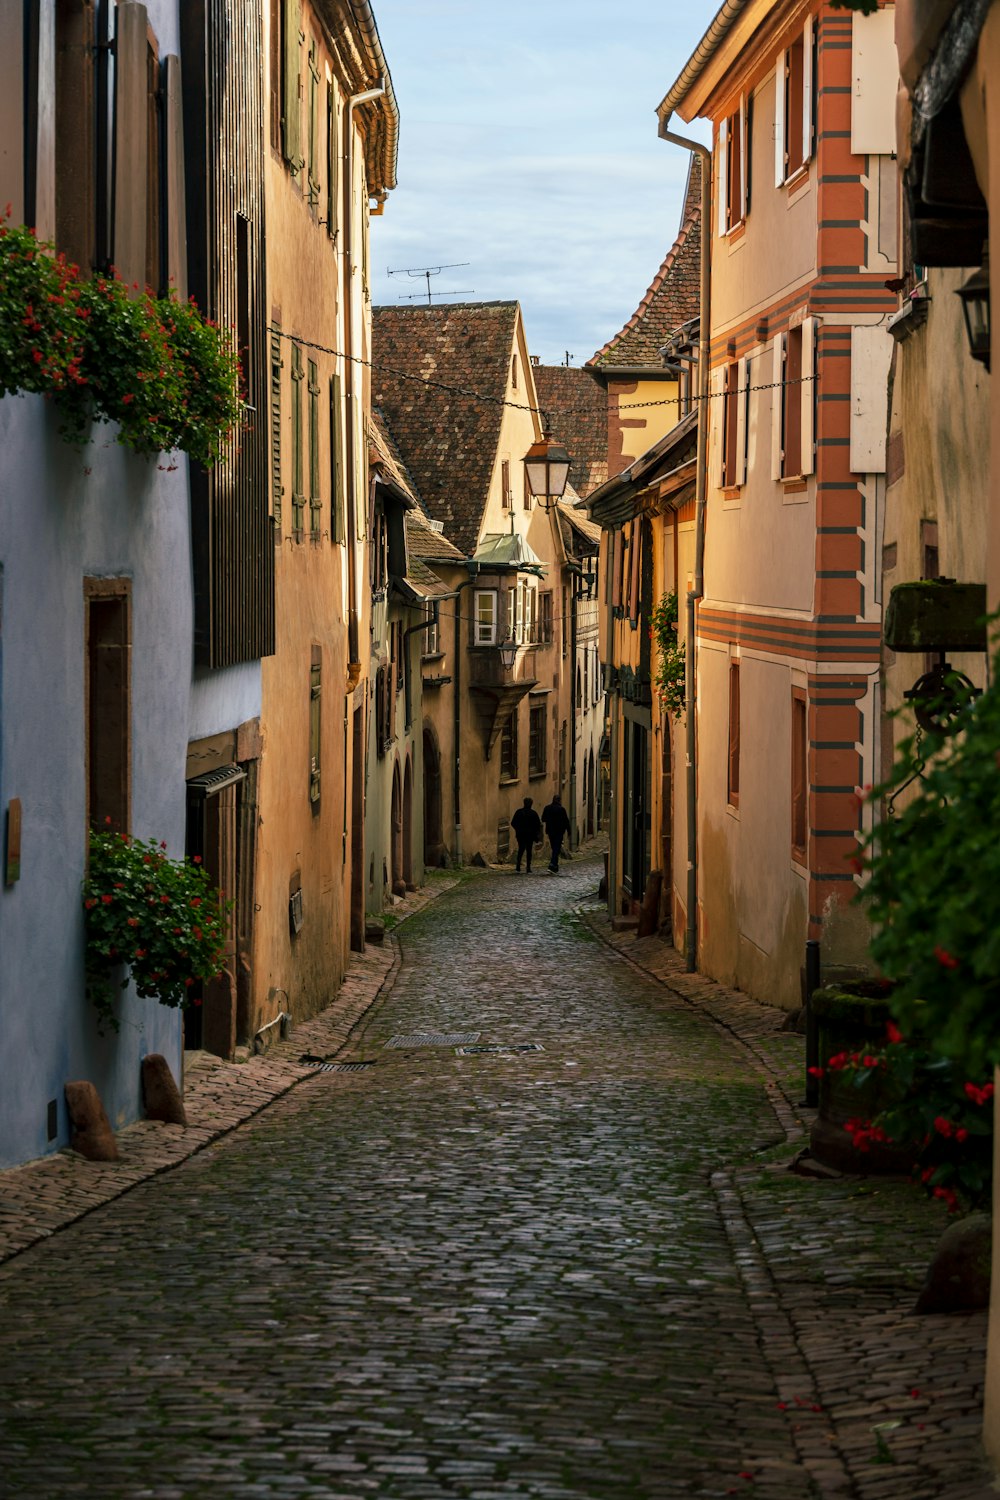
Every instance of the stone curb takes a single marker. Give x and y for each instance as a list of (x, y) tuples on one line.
[(44, 1196)]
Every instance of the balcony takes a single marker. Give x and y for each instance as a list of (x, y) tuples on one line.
[(497, 690)]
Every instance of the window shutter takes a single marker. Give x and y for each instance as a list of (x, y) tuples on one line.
[(332, 175), (780, 75), (722, 175), (748, 156), (314, 498), (337, 520), (130, 184), (742, 398), (298, 479), (717, 426), (12, 113), (291, 117), (176, 229), (315, 721), (807, 90), (635, 547), (778, 407), (808, 396), (277, 489), (313, 183), (743, 157)]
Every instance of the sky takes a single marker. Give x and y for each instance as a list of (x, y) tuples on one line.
[(528, 149)]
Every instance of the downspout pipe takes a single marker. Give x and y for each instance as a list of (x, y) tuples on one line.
[(701, 483), (353, 380)]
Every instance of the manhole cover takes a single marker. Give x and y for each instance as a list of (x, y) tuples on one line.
[(499, 1048), (434, 1039)]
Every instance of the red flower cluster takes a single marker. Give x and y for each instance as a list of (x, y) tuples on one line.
[(979, 1095), (945, 959), (863, 1134), (950, 1130)]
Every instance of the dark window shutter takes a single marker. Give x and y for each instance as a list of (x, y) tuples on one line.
[(298, 481), (332, 162), (131, 137), (315, 722), (175, 237)]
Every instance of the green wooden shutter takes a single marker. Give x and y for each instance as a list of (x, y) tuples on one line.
[(290, 94), (313, 183), (315, 723), (314, 500), (176, 228), (338, 523), (298, 491), (277, 488)]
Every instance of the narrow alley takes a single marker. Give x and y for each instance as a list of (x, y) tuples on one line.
[(575, 1271)]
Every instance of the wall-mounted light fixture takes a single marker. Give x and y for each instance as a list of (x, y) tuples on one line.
[(975, 295)]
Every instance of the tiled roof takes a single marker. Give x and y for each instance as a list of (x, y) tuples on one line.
[(424, 542), (578, 530), (578, 411), (447, 440), (672, 299), (384, 454)]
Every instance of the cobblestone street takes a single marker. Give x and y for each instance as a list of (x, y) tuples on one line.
[(581, 1271)]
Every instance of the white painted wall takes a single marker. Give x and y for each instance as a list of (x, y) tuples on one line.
[(65, 515)]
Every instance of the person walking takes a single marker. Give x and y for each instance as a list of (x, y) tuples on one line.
[(556, 822), (527, 828)]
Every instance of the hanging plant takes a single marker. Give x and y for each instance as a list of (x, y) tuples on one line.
[(671, 664), (154, 365), (159, 917)]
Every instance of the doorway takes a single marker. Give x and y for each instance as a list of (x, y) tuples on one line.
[(433, 836), (408, 823), (358, 831)]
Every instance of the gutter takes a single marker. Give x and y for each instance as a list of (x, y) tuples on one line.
[(725, 20), (365, 19), (721, 24)]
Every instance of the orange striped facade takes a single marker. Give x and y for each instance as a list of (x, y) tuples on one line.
[(837, 649)]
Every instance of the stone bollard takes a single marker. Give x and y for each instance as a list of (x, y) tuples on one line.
[(160, 1093), (92, 1135)]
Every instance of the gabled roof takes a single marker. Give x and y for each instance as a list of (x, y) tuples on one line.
[(581, 536), (424, 541), (447, 439), (672, 299), (578, 411)]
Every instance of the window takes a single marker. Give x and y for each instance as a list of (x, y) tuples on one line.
[(733, 778), (274, 72), (793, 402), (314, 499), (385, 708), (277, 488), (564, 622), (398, 653), (735, 401), (513, 371), (732, 154), (109, 708), (634, 579), (379, 554), (485, 619), (508, 749), (338, 525), (793, 106), (536, 739), (545, 624), (800, 775), (929, 554), (586, 679), (315, 719), (506, 497), (432, 635), (526, 487)]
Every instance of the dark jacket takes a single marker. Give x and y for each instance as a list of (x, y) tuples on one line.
[(556, 820), (526, 825)]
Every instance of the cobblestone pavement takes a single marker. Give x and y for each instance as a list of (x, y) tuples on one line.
[(578, 1273)]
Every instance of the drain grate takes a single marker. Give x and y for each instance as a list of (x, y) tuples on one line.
[(327, 1065), (434, 1039), (500, 1049)]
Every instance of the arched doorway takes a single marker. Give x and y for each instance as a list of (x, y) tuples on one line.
[(396, 835), (408, 822), (433, 836)]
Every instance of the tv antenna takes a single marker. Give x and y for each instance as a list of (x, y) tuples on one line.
[(427, 272)]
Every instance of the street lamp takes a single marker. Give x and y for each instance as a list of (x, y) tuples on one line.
[(546, 464), (975, 295), (508, 652)]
